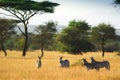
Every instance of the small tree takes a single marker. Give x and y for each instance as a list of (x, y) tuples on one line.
[(6, 29), (24, 10), (74, 37), (45, 34), (101, 33)]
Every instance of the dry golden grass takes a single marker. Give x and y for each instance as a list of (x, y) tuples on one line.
[(16, 67)]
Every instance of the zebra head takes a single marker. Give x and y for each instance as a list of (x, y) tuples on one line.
[(92, 60), (84, 61), (61, 58)]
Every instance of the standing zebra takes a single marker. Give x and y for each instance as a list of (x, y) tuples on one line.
[(39, 64), (64, 63), (102, 64), (89, 65)]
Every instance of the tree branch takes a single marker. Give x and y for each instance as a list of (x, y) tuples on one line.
[(7, 15), (30, 15), (21, 31), (12, 11)]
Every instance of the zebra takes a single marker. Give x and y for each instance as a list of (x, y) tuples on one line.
[(102, 64), (64, 63), (90, 66), (39, 64)]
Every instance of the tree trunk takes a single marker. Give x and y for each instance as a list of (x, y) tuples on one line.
[(42, 47), (3, 48), (103, 51), (102, 46), (26, 41)]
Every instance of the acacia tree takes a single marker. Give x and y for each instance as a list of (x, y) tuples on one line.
[(101, 33), (74, 37), (45, 34), (6, 29), (24, 10)]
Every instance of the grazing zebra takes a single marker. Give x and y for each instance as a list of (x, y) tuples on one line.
[(90, 66), (102, 64), (64, 63), (39, 64)]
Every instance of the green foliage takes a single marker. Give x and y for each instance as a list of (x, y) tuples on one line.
[(45, 35), (6, 30), (24, 10), (105, 31), (112, 46), (74, 37), (15, 42), (101, 33), (81, 25), (7, 26), (26, 5)]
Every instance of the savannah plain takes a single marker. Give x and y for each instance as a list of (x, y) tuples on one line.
[(16, 67)]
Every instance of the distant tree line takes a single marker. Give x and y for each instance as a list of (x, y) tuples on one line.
[(76, 38)]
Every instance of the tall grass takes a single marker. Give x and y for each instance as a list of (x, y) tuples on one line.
[(16, 67)]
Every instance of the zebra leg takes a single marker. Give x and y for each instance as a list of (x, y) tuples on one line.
[(87, 69), (108, 67), (97, 68)]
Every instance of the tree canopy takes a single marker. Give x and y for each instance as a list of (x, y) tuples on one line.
[(102, 30), (74, 37), (24, 10), (101, 33), (26, 5), (6, 29), (45, 34)]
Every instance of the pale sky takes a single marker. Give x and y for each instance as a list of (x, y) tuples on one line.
[(92, 11)]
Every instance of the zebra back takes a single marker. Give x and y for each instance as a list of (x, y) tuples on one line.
[(101, 64)]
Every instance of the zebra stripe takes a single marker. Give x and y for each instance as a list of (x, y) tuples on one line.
[(64, 63), (90, 66), (39, 64), (102, 64)]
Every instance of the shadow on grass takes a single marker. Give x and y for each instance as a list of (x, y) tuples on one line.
[(78, 63), (118, 53)]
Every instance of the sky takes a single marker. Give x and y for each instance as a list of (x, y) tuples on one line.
[(92, 11)]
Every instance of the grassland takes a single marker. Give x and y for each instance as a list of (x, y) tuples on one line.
[(16, 67)]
